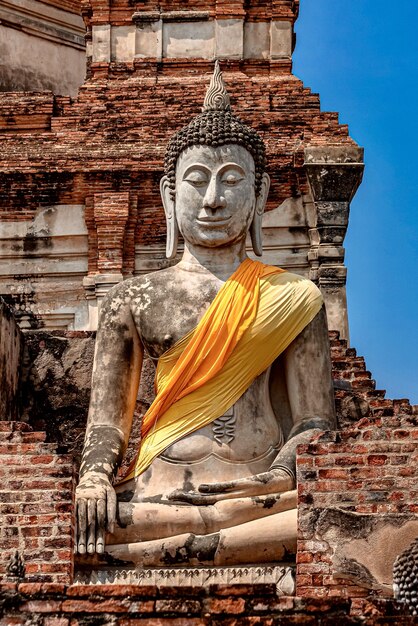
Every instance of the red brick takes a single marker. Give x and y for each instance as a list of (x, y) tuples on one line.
[(41, 606), (163, 621), (177, 606), (85, 591), (377, 459), (99, 606), (230, 606)]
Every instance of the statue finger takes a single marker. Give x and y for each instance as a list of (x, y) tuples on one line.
[(192, 497), (81, 525), (101, 526), (91, 532), (111, 509), (218, 487)]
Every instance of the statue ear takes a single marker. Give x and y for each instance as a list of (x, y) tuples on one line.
[(256, 225), (170, 216)]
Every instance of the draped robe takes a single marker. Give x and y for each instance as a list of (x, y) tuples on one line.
[(254, 317)]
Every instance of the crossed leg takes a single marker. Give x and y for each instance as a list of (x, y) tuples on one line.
[(236, 531)]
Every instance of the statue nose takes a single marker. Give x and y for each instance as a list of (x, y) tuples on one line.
[(213, 197)]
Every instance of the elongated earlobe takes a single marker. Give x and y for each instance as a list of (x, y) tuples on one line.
[(170, 216), (256, 231)]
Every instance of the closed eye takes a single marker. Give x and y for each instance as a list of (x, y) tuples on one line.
[(232, 180), (197, 179)]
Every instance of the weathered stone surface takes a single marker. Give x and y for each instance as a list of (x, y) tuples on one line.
[(31, 31), (11, 349), (368, 468), (206, 488), (364, 547), (334, 174), (56, 384)]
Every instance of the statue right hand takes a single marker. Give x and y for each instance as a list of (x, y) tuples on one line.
[(95, 501)]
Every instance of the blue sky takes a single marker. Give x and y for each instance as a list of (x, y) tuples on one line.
[(361, 56)]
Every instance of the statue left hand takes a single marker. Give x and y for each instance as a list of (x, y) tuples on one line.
[(273, 481)]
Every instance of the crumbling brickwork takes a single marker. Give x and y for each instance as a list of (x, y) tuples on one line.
[(36, 506), (359, 477), (125, 605), (366, 469), (79, 200)]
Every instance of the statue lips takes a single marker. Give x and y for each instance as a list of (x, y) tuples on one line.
[(213, 222)]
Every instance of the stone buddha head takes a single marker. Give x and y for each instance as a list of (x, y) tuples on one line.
[(215, 188)]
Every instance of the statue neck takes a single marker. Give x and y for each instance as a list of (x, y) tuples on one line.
[(222, 262)]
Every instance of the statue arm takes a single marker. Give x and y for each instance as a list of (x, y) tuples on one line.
[(307, 363), (115, 380)]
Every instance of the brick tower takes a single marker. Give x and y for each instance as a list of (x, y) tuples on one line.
[(80, 206)]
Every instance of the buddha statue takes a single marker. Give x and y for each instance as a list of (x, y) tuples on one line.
[(243, 373)]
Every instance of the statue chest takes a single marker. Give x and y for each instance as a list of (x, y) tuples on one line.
[(169, 304), (170, 317)]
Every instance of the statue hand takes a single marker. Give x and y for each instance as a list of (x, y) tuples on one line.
[(273, 481), (95, 512)]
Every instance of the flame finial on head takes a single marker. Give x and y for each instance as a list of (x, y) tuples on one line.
[(215, 126), (217, 98)]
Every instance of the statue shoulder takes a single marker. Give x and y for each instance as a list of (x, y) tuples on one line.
[(300, 285), (133, 288), (137, 294)]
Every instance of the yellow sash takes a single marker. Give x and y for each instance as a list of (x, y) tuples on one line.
[(254, 317)]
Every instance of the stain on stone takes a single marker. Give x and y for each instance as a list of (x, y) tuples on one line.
[(115, 562), (34, 243), (187, 483), (201, 548), (355, 571), (266, 502), (127, 512), (260, 478), (146, 476), (125, 496), (353, 525)]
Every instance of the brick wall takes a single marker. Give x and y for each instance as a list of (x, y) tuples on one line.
[(120, 605), (110, 140), (120, 12), (36, 504), (113, 138), (368, 469)]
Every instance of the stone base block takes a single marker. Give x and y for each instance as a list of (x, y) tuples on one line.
[(283, 576)]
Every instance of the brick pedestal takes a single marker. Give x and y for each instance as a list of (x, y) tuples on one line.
[(57, 605)]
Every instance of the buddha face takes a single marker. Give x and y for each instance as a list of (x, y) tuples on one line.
[(215, 195)]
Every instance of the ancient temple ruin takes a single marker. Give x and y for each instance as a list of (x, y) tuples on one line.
[(80, 211)]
